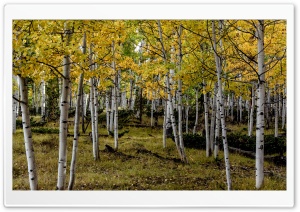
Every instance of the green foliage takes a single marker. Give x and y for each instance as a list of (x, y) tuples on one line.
[(45, 130), (272, 145)]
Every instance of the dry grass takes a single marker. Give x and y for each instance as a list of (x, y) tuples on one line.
[(141, 163)]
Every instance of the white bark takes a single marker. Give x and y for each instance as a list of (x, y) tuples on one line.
[(107, 109), (206, 123), (111, 122), (251, 111), (93, 108), (76, 134), (241, 108), (283, 110), (152, 109), (14, 106), (259, 161), (165, 124), (187, 108), (217, 130), (116, 94), (43, 106), (276, 108), (96, 105), (212, 123), (197, 112), (32, 172), (63, 127), (221, 105)]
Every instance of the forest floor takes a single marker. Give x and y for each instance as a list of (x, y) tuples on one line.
[(141, 163)]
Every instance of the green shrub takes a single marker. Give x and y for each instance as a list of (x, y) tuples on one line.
[(272, 145)]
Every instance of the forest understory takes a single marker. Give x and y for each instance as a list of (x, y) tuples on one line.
[(140, 163)]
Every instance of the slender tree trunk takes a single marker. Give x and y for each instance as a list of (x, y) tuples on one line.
[(173, 121), (43, 106), (15, 105), (232, 104), (241, 109), (259, 164), (63, 127), (165, 124), (206, 123), (93, 108), (116, 92), (87, 104), (96, 105), (32, 172), (180, 132), (107, 109), (221, 105), (152, 108), (217, 130), (76, 134), (268, 109), (251, 111), (212, 123), (187, 119), (276, 108), (111, 122), (283, 110), (197, 111)]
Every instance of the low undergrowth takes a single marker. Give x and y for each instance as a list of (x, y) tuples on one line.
[(141, 163)]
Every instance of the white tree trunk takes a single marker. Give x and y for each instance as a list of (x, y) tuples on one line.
[(241, 109), (165, 124), (32, 172), (152, 109), (96, 105), (43, 106), (116, 94), (93, 108), (276, 108), (180, 133), (251, 111), (259, 164), (111, 122), (187, 108), (87, 104), (76, 134), (221, 105), (206, 123), (212, 123), (231, 107), (63, 127), (15, 105), (283, 110), (217, 130), (173, 121), (197, 112), (107, 109)]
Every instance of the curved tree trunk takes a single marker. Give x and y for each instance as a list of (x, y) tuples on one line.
[(32, 172)]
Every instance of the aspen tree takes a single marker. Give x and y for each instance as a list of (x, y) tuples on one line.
[(218, 61), (30, 156), (76, 124), (64, 108), (259, 164)]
